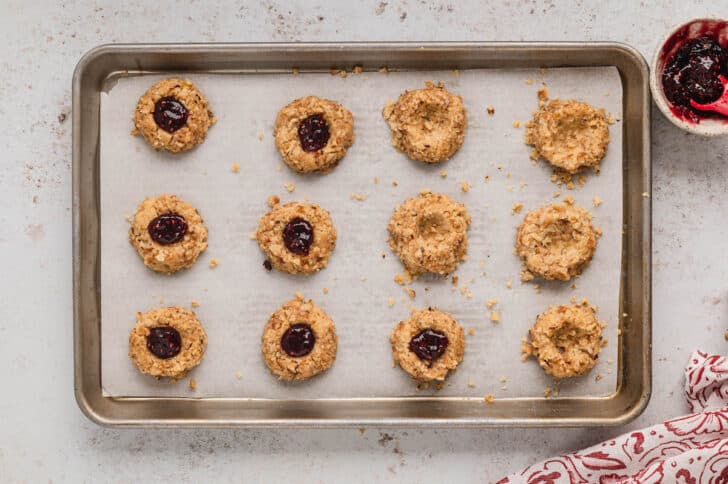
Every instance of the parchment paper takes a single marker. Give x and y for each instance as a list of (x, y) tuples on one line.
[(237, 297)]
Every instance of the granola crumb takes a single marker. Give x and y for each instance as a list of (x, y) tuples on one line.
[(547, 392), (516, 124), (503, 379), (325, 290), (471, 331), (494, 317), (384, 70), (402, 279), (611, 119), (569, 200), (252, 236), (455, 280), (486, 178), (597, 201), (273, 200), (296, 71), (410, 292), (471, 384), (343, 73), (128, 218), (362, 430), (488, 399), (464, 186), (298, 294), (390, 301), (490, 110), (443, 174), (195, 304), (290, 187), (509, 284), (261, 136), (236, 168), (238, 375), (529, 81), (357, 196), (543, 93), (465, 291), (394, 183), (490, 303), (516, 208), (214, 262), (358, 69), (598, 377), (376, 180), (192, 384), (726, 336)]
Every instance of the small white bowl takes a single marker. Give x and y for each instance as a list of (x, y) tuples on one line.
[(668, 45)]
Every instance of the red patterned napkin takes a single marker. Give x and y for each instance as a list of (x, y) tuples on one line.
[(691, 449)]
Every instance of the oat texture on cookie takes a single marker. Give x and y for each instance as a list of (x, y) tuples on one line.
[(167, 342), (429, 233), (312, 134), (428, 345), (168, 233), (299, 340), (173, 115), (296, 237), (427, 124), (556, 242), (566, 340), (570, 135)]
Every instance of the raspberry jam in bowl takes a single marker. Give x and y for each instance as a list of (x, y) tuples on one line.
[(688, 73)]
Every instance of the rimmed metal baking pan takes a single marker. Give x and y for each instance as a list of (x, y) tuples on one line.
[(633, 365)]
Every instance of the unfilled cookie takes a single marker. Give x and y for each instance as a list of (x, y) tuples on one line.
[(168, 233), (173, 115), (299, 340), (427, 124), (428, 345), (569, 134), (313, 134), (556, 242), (429, 233), (167, 342), (566, 340), (297, 237)]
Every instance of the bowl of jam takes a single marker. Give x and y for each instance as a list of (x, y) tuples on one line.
[(689, 74)]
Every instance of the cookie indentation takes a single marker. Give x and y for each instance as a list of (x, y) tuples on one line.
[(298, 340), (570, 135), (428, 345), (566, 340), (556, 242), (167, 229), (429, 233), (170, 114), (167, 233), (293, 350), (313, 134), (297, 238), (164, 342), (427, 124)]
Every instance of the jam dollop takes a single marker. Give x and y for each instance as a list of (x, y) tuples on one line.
[(298, 236), (693, 73), (298, 340), (164, 342), (429, 344), (167, 229), (313, 133), (170, 114)]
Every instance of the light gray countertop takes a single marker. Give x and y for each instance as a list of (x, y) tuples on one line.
[(43, 435)]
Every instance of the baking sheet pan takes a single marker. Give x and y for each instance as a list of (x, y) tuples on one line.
[(231, 204)]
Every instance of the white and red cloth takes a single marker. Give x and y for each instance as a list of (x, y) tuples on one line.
[(692, 449)]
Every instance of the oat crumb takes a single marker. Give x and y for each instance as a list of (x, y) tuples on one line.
[(390, 301), (494, 316), (343, 73), (192, 384), (410, 292), (376, 180), (214, 262), (569, 200), (490, 110), (443, 174), (529, 81), (465, 186), (289, 186), (238, 375), (516, 124), (543, 93), (471, 384), (261, 136), (358, 69), (547, 392), (471, 331), (195, 304), (325, 290), (384, 70), (296, 71), (517, 207), (503, 379), (357, 196), (509, 284), (488, 399), (299, 295), (598, 377), (490, 303), (597, 201), (273, 200), (455, 280), (236, 168)]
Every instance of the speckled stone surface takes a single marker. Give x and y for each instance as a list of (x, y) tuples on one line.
[(44, 436)]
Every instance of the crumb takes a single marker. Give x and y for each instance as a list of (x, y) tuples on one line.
[(645, 195), (726, 336), (573, 286), (236, 168), (465, 291), (261, 136), (238, 375), (214, 262), (128, 218), (471, 331), (192, 384), (273, 200), (486, 178), (570, 185), (509, 284), (394, 183), (195, 304), (343, 73), (455, 280), (494, 316), (471, 384), (569, 200), (490, 303), (609, 371), (357, 196), (611, 120), (543, 93), (443, 174), (358, 69), (296, 71), (517, 207), (376, 180), (251, 237), (490, 110), (390, 301), (500, 167), (410, 292), (556, 194), (334, 71), (503, 379), (298, 294), (439, 385), (529, 81), (384, 70), (598, 377), (465, 187), (279, 167), (325, 290), (488, 398), (597, 201), (161, 300), (289, 186), (547, 392), (402, 279), (516, 124)]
